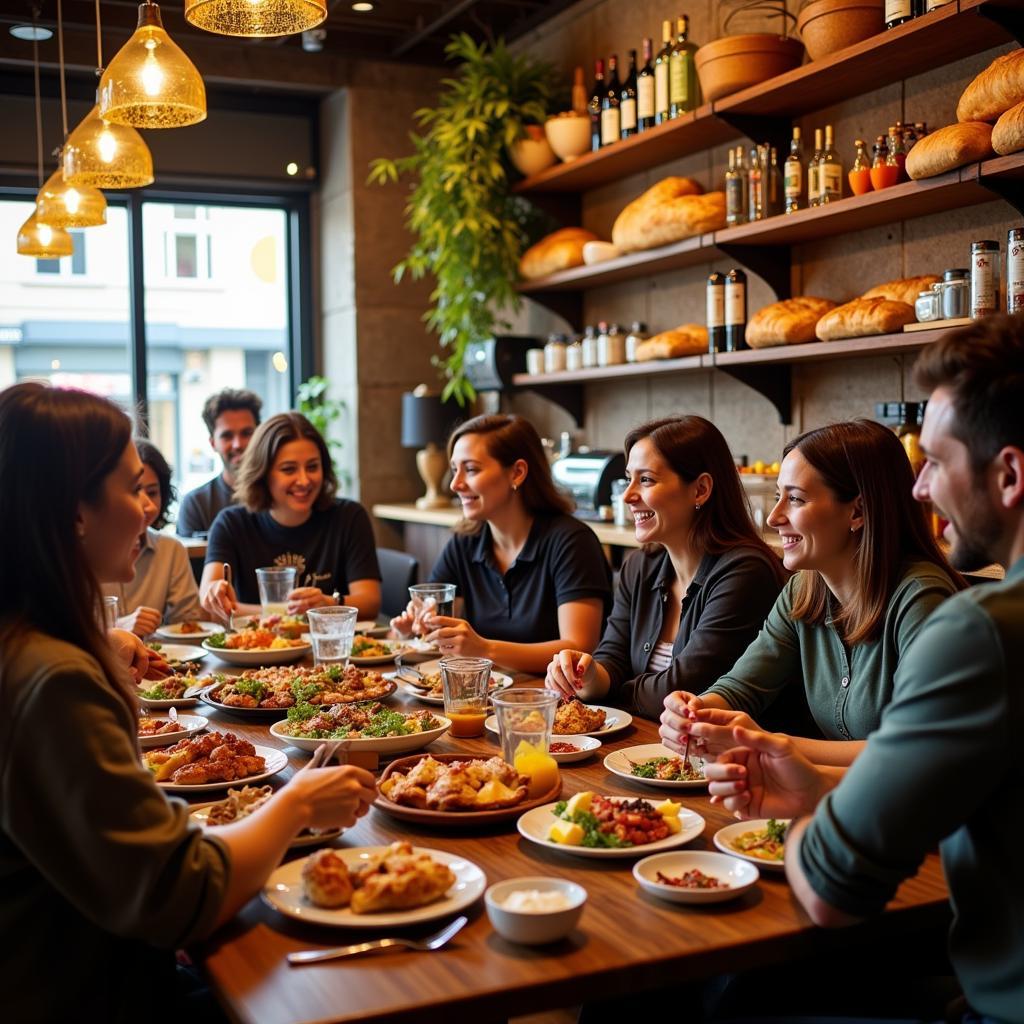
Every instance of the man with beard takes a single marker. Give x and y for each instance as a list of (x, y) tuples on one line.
[(231, 416), (943, 767)]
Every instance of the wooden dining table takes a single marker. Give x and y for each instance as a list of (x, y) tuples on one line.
[(627, 941)]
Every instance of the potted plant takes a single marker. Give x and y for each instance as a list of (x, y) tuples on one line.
[(469, 227)]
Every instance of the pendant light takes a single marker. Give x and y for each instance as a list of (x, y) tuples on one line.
[(255, 17), (34, 239), (150, 83), (105, 155)]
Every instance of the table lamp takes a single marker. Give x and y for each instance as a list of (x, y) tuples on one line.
[(426, 424)]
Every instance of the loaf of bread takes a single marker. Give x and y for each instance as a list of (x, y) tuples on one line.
[(790, 322), (864, 316), (558, 251), (685, 340), (950, 147), (1008, 134), (906, 289), (670, 211), (999, 87), (598, 252)]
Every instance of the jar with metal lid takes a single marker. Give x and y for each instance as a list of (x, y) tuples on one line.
[(955, 294), (927, 305), (574, 356), (637, 333), (589, 346), (554, 353), (611, 347), (1015, 271), (984, 278)]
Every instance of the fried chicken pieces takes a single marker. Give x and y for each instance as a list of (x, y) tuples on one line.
[(475, 785), (215, 757), (395, 879), (573, 717)]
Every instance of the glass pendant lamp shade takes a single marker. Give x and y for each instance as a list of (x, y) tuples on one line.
[(255, 17), (66, 206), (43, 241), (150, 83), (99, 154)]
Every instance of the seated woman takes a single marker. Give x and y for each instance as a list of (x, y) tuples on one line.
[(692, 599), (96, 860), (289, 516), (164, 589), (868, 574), (532, 580)]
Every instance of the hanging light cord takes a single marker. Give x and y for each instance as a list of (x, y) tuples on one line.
[(60, 51), (99, 42), (39, 113)]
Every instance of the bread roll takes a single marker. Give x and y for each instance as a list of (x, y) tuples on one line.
[(999, 87), (325, 880), (790, 322), (906, 289), (862, 317), (670, 211), (558, 251), (950, 147), (598, 252), (685, 340), (1008, 134)]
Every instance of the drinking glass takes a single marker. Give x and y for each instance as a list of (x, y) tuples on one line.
[(465, 683), (110, 611), (331, 630), (275, 584), (430, 599), (525, 719)]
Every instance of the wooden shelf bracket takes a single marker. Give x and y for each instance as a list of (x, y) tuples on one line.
[(568, 396), (568, 305), (771, 263), (776, 131), (1007, 14), (1009, 188), (774, 381)]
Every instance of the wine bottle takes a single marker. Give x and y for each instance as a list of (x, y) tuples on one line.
[(735, 192), (773, 185), (627, 101), (830, 171), (661, 102), (897, 12), (594, 105), (755, 185), (683, 90), (813, 172), (645, 90), (611, 122), (794, 173), (716, 312), (735, 311)]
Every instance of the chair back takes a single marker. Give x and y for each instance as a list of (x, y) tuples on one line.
[(398, 572)]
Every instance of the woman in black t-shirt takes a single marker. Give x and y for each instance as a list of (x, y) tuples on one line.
[(531, 579), (289, 516)]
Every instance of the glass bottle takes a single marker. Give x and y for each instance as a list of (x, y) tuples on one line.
[(813, 177), (794, 173), (637, 333), (860, 173), (627, 101), (830, 171), (755, 186), (611, 122), (896, 156), (735, 310), (773, 185), (883, 174), (554, 353), (897, 12), (645, 91), (661, 101), (594, 105), (588, 343), (683, 89), (735, 194), (611, 347), (716, 312)]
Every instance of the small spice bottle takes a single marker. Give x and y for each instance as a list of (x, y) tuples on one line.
[(1015, 271), (611, 347), (882, 174), (984, 278), (589, 347), (554, 353), (574, 356), (860, 173), (637, 333)]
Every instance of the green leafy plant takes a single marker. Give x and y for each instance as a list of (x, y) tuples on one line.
[(321, 410), (470, 230)]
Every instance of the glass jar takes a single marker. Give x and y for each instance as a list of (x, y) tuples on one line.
[(554, 353), (984, 278), (1015, 271), (589, 346), (927, 306), (574, 356), (955, 294), (611, 347), (637, 333)]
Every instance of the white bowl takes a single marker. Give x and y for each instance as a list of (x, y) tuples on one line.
[(531, 928), (738, 874), (568, 135)]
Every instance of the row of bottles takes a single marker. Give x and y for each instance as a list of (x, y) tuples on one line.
[(727, 311), (887, 164), (664, 87), (605, 344), (897, 12), (753, 188)]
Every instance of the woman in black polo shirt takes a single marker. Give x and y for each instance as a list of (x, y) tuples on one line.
[(692, 599), (531, 579), (289, 516)]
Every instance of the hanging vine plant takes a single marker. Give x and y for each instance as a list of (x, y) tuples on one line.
[(470, 230)]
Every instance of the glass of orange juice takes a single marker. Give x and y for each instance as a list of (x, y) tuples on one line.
[(526, 717), (465, 682)]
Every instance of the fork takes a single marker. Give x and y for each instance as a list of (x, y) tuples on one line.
[(432, 942)]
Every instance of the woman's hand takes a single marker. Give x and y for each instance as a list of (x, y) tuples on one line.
[(141, 622), (569, 673), (332, 797), (680, 711), (712, 729), (454, 636), (220, 600), (765, 777), (407, 624), (301, 599), (140, 661)]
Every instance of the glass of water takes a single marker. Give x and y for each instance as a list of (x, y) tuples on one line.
[(331, 630), (110, 611), (275, 584), (431, 599)]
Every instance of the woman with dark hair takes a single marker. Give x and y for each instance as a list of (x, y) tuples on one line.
[(164, 589), (102, 874), (868, 574), (692, 599), (531, 579), (289, 516)]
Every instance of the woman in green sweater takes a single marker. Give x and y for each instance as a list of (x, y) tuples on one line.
[(867, 574)]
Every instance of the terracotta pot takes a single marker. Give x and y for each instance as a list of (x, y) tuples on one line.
[(532, 154), (736, 62), (827, 26)]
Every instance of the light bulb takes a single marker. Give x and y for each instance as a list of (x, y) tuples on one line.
[(45, 234), (107, 145), (72, 200), (152, 77)]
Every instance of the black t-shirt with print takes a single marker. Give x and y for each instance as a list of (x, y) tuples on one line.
[(330, 550)]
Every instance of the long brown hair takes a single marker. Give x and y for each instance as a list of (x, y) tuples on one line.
[(861, 458), (57, 448), (508, 439), (692, 445), (251, 487)]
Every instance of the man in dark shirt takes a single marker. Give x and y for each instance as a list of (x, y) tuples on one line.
[(231, 416), (944, 765)]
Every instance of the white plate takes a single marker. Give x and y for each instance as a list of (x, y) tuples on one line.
[(259, 659), (283, 891), (396, 647), (181, 652), (615, 720), (724, 837), (535, 825), (739, 875), (587, 745), (202, 812), (190, 725), (172, 631), (376, 744), (618, 763), (276, 761), (502, 681), (163, 705)]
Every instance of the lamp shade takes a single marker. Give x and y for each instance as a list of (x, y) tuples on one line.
[(255, 17), (426, 420), (150, 83), (42, 241), (66, 206), (101, 154)]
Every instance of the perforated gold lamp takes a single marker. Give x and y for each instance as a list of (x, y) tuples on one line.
[(68, 206), (150, 83), (99, 154), (255, 17), (43, 241)]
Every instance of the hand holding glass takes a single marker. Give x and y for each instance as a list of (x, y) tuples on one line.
[(331, 630), (430, 599)]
